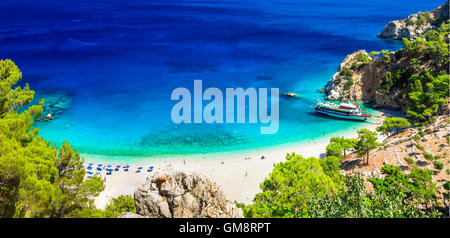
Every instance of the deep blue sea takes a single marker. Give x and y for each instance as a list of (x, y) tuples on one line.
[(107, 68)]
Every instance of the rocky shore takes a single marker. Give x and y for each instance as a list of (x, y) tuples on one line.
[(415, 25), (359, 77), (383, 78)]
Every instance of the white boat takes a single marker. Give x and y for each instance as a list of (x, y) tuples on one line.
[(342, 110)]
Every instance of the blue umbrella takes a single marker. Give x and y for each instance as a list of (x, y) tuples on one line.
[(151, 167), (110, 170), (100, 165), (82, 167), (139, 167), (127, 166), (89, 168), (90, 164), (90, 172), (118, 166), (99, 169), (109, 166)]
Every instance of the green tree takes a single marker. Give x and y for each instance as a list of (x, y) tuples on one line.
[(424, 104), (356, 202), (394, 180), (36, 180), (418, 185), (446, 195), (123, 203), (285, 192), (393, 124), (339, 145), (367, 141), (423, 186)]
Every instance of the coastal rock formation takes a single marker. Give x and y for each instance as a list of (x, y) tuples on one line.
[(359, 77), (335, 87), (415, 25), (383, 78), (177, 194)]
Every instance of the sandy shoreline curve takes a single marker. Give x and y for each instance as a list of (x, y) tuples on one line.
[(238, 174)]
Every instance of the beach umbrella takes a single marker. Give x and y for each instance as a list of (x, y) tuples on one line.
[(99, 165), (110, 170), (118, 166), (89, 168), (127, 166), (99, 169), (109, 166), (90, 164), (90, 172), (151, 167), (139, 167)]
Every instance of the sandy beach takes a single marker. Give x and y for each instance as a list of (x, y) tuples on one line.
[(238, 176)]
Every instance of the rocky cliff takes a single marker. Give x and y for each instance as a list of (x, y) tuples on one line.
[(385, 78), (360, 77), (177, 194), (415, 25)]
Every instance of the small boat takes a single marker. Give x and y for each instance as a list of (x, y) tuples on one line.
[(291, 94), (342, 110)]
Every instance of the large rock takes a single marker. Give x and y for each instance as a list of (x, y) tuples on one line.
[(177, 194), (411, 28), (335, 87), (367, 78)]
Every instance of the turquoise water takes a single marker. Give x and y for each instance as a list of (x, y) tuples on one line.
[(107, 68)]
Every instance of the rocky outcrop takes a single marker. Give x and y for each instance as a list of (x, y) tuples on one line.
[(415, 25), (335, 87), (359, 78), (177, 194), (382, 78)]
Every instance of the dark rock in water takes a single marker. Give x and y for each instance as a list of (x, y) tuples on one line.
[(291, 94), (55, 104), (177, 194)]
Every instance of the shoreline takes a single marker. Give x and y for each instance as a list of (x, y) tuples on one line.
[(238, 177)]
